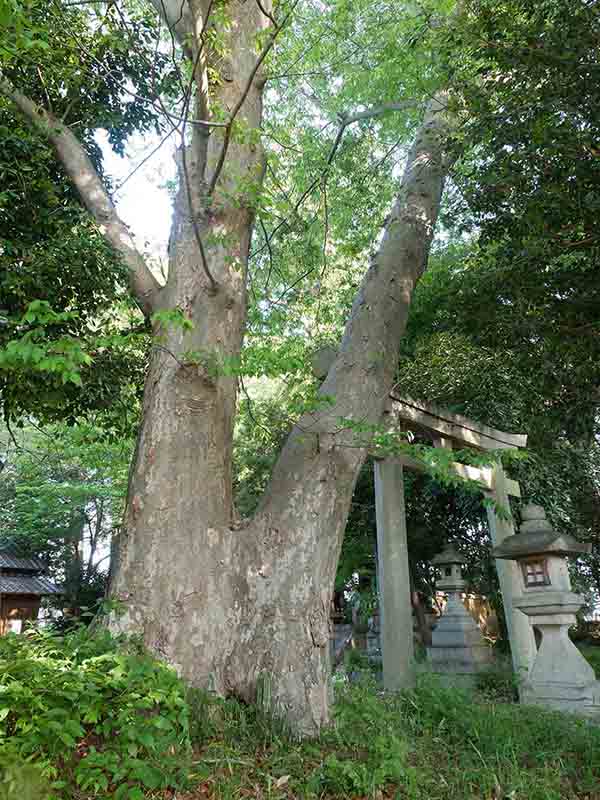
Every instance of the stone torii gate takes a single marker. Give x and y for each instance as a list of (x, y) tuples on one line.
[(450, 431)]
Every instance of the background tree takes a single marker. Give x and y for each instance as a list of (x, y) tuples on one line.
[(62, 496), (63, 297), (505, 329)]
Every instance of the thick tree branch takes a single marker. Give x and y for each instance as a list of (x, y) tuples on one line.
[(200, 76), (375, 111), (397, 266), (179, 20), (93, 194)]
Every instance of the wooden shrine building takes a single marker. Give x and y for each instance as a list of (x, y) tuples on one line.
[(23, 583)]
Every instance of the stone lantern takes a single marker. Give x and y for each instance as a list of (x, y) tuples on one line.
[(560, 677), (457, 646)]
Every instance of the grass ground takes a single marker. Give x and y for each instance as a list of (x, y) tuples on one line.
[(88, 717), (430, 744)]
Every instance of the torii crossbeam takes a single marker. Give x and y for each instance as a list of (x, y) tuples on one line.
[(451, 431)]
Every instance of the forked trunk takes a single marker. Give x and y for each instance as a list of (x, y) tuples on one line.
[(226, 603)]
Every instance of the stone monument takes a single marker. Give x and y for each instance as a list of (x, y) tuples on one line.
[(457, 646), (560, 677)]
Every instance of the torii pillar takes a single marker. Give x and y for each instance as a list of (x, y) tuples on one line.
[(520, 630), (395, 610)]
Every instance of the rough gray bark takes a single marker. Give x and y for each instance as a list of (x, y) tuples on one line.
[(226, 603)]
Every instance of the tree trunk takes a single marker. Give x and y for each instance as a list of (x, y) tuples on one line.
[(227, 603), (73, 544), (182, 568)]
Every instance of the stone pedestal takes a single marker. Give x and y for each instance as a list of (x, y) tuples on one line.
[(457, 646), (561, 678)]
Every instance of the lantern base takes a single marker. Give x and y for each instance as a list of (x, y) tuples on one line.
[(560, 678), (584, 699)]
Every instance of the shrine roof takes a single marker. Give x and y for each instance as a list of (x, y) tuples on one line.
[(28, 584), (8, 560)]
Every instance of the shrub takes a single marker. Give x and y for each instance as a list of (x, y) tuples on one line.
[(92, 712)]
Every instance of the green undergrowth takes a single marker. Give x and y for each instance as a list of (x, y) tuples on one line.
[(427, 744), (497, 685), (87, 716)]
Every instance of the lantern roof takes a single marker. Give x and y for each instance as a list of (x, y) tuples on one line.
[(537, 537), (449, 555)]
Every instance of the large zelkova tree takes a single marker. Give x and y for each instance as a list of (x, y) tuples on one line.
[(222, 600)]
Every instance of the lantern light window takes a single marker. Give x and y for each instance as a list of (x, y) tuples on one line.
[(535, 573)]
